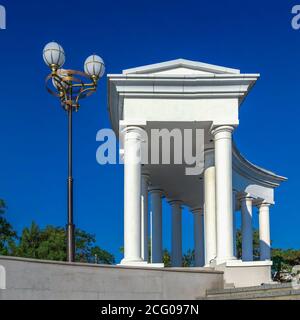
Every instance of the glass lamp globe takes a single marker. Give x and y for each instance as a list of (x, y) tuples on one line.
[(94, 66), (54, 55)]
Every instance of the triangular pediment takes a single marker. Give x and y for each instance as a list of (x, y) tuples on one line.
[(182, 67)]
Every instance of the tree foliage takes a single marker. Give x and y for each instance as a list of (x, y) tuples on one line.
[(46, 244), (8, 235), (49, 243), (283, 259), (166, 258), (188, 259)]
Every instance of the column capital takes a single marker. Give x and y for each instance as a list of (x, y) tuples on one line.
[(220, 129), (197, 211), (135, 130), (264, 204), (244, 197), (157, 190), (209, 151), (123, 124), (146, 176), (173, 202)]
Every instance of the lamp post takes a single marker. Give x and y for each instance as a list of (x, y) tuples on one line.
[(70, 86)]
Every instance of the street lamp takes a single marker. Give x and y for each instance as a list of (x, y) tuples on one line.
[(70, 86)]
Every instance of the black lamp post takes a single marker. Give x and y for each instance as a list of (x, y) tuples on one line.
[(70, 86)]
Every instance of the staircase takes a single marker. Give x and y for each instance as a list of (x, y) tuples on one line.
[(283, 291)]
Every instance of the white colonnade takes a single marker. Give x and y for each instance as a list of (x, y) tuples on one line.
[(214, 223)]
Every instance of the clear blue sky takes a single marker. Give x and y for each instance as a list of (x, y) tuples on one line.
[(254, 36)]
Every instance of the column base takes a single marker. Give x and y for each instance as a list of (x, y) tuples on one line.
[(133, 263), (142, 264), (247, 259), (155, 265), (210, 265), (223, 260)]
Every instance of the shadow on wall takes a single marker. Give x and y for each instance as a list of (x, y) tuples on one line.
[(2, 278)]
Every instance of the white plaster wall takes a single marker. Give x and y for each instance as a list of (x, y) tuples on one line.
[(246, 275), (33, 279)]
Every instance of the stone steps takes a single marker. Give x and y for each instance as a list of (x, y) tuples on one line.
[(263, 292)]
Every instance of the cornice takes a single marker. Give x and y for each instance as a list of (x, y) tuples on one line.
[(254, 173), (218, 86), (180, 63)]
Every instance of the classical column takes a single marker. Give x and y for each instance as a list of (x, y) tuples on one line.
[(144, 217), (210, 232), (247, 229), (223, 164), (199, 237), (156, 236), (234, 194), (264, 231), (176, 245), (132, 195)]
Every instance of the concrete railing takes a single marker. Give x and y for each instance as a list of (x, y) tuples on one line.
[(36, 279)]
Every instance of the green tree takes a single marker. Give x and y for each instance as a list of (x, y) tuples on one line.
[(166, 258), (285, 260), (188, 259), (50, 244), (8, 235), (29, 242), (102, 256), (86, 251)]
